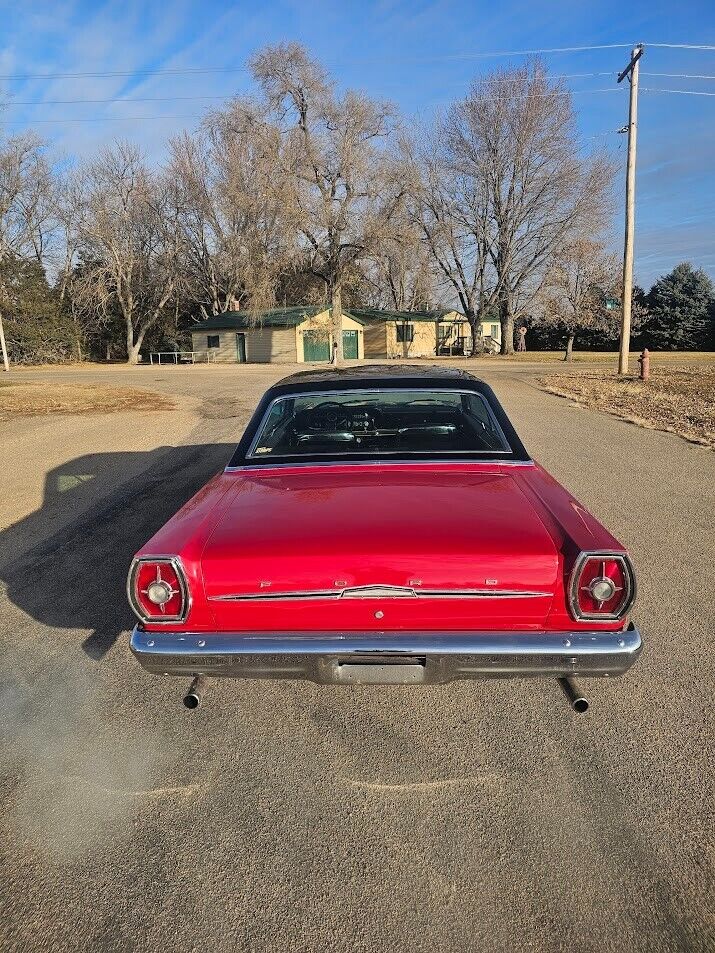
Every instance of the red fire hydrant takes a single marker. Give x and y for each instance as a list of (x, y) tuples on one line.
[(644, 361)]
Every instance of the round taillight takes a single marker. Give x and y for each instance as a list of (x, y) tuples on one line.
[(157, 590), (602, 589), (602, 586)]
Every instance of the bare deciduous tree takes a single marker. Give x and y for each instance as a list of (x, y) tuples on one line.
[(130, 241), (581, 280), (68, 209), (451, 210), (502, 187), (230, 207), (343, 183), (399, 273)]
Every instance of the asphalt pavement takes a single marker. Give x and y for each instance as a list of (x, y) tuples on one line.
[(293, 817)]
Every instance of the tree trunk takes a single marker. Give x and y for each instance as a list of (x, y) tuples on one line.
[(3, 348), (568, 356), (475, 326), (133, 354), (78, 340), (506, 319), (336, 323), (132, 345)]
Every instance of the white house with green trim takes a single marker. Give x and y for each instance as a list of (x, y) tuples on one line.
[(303, 334)]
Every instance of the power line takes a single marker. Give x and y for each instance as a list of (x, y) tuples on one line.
[(186, 70), (158, 99), (11, 77), (601, 135), (575, 92), (117, 99), (161, 99), (679, 92), (580, 92), (579, 75), (609, 89), (192, 70), (552, 49), (142, 118), (681, 75), (171, 71), (107, 119), (171, 99), (682, 46)]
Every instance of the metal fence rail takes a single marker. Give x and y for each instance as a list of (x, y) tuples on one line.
[(182, 357)]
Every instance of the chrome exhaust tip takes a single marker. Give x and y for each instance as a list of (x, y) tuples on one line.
[(577, 700), (192, 699)]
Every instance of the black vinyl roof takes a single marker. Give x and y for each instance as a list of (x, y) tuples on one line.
[(378, 373)]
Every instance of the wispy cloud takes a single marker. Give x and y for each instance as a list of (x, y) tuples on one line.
[(121, 37), (409, 51)]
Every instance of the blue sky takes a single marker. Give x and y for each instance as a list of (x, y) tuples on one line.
[(420, 54)]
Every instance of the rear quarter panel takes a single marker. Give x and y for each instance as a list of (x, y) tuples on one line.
[(574, 530), (185, 535)]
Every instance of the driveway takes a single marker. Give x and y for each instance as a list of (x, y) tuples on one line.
[(293, 817)]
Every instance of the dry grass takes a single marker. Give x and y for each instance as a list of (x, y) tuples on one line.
[(611, 357), (581, 358), (32, 400), (678, 399)]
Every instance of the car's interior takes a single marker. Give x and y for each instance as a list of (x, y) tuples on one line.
[(394, 421)]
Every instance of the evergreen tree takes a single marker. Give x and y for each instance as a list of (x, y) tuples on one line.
[(36, 330), (680, 310)]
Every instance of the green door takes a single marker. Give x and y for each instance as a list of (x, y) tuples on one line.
[(241, 348), (350, 345), (316, 347)]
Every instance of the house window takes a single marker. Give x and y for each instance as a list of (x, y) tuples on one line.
[(495, 332), (405, 333), (213, 340)]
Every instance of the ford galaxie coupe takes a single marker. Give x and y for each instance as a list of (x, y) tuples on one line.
[(383, 525)]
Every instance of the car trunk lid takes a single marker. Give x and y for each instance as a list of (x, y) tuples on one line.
[(379, 547)]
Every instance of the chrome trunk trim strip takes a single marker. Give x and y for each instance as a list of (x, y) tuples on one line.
[(431, 461), (381, 592)]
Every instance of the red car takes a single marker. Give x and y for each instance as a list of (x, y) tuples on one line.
[(383, 525)]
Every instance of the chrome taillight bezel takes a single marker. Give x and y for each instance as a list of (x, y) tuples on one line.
[(629, 584), (136, 606)]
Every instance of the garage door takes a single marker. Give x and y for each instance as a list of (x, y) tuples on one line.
[(316, 347), (350, 345)]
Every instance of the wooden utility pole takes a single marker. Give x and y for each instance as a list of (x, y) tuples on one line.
[(3, 347), (631, 71)]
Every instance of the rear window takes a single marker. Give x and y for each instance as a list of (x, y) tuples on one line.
[(370, 422)]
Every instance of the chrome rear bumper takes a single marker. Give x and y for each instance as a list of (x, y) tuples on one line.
[(387, 658)]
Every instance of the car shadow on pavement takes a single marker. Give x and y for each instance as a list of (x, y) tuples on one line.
[(66, 564)]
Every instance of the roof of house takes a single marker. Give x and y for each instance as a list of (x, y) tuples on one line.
[(379, 314), (289, 317), (242, 320)]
